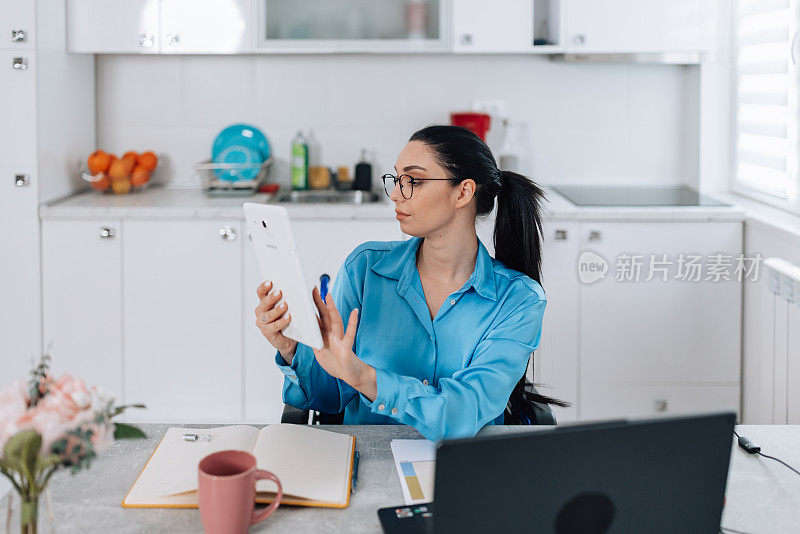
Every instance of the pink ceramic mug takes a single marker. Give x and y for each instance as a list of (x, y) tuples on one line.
[(227, 492)]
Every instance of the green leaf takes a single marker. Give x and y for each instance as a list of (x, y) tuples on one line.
[(123, 431), (119, 409), (22, 449), (46, 462)]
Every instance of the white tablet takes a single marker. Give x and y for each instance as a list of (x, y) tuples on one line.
[(277, 256)]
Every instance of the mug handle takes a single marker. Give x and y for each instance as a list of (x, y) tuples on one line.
[(266, 512)]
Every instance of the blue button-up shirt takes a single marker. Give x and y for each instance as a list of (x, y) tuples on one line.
[(446, 377)]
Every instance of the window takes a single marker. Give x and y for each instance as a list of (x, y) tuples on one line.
[(767, 89)]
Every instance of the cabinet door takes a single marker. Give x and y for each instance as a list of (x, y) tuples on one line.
[(20, 313), (556, 359), (208, 27), (659, 331), (82, 300), (631, 26), (182, 294), (606, 401), (502, 26), (17, 24), (323, 246), (18, 112), (113, 26)]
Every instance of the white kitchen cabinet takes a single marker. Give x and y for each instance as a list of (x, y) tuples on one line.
[(182, 309), (322, 246), (207, 27), (660, 329), (322, 26), (17, 25), (82, 300), (113, 26), (608, 401), (499, 26), (556, 359), (20, 326), (634, 26), (159, 26)]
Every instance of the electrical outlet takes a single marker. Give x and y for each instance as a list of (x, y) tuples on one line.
[(495, 108)]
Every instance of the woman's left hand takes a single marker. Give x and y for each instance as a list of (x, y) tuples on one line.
[(337, 356)]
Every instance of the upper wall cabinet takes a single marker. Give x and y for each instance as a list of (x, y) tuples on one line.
[(636, 26), (159, 26), (17, 21), (353, 25), (499, 26)]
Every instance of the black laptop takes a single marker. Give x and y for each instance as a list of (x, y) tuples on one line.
[(659, 475)]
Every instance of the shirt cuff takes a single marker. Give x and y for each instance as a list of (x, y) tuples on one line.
[(392, 395), (289, 370)]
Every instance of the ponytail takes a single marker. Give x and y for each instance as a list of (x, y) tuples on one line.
[(518, 226)]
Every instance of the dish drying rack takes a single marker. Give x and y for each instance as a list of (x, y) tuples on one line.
[(213, 185)]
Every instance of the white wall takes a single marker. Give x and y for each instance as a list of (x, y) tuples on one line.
[(585, 123)]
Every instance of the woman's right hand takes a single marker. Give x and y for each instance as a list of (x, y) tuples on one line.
[(271, 320)]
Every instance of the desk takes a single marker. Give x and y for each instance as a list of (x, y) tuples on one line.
[(762, 496)]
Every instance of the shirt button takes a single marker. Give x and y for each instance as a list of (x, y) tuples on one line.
[(394, 411), (452, 301), (381, 406), (425, 382)]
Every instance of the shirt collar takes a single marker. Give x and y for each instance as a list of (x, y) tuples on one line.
[(400, 263)]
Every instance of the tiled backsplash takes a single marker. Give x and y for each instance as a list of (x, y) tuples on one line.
[(583, 122)]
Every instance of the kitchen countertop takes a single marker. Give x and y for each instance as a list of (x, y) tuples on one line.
[(183, 203), (761, 495)]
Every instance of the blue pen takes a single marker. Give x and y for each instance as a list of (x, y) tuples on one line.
[(355, 472), (323, 286)]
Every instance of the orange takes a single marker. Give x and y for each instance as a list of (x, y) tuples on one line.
[(119, 168), (130, 154), (140, 176), (148, 160), (98, 161)]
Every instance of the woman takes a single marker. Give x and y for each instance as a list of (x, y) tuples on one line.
[(438, 332)]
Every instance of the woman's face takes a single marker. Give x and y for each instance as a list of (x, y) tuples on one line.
[(433, 203)]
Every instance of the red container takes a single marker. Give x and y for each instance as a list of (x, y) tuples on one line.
[(478, 123)]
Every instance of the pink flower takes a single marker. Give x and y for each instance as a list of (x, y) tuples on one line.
[(13, 403)]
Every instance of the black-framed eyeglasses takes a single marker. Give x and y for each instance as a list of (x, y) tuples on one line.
[(407, 183)]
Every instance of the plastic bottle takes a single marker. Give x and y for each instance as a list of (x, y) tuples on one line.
[(299, 162), (363, 179), (509, 159)]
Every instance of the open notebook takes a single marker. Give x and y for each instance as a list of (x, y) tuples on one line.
[(314, 466)]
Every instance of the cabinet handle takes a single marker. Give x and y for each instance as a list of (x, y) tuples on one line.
[(19, 36), (466, 39), (106, 232), (173, 39), (660, 405), (146, 40), (226, 233), (579, 39), (595, 235), (19, 63), (560, 235), (794, 47), (22, 180)]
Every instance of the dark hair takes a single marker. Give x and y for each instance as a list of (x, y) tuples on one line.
[(518, 225)]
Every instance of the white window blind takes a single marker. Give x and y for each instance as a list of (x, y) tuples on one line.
[(767, 96)]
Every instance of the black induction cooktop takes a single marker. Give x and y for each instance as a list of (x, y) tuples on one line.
[(612, 195)]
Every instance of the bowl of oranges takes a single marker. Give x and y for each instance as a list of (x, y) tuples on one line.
[(107, 173)]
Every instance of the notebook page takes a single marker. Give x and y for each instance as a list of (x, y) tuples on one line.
[(173, 467), (311, 463)]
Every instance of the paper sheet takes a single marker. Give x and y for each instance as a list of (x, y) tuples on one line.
[(415, 460)]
